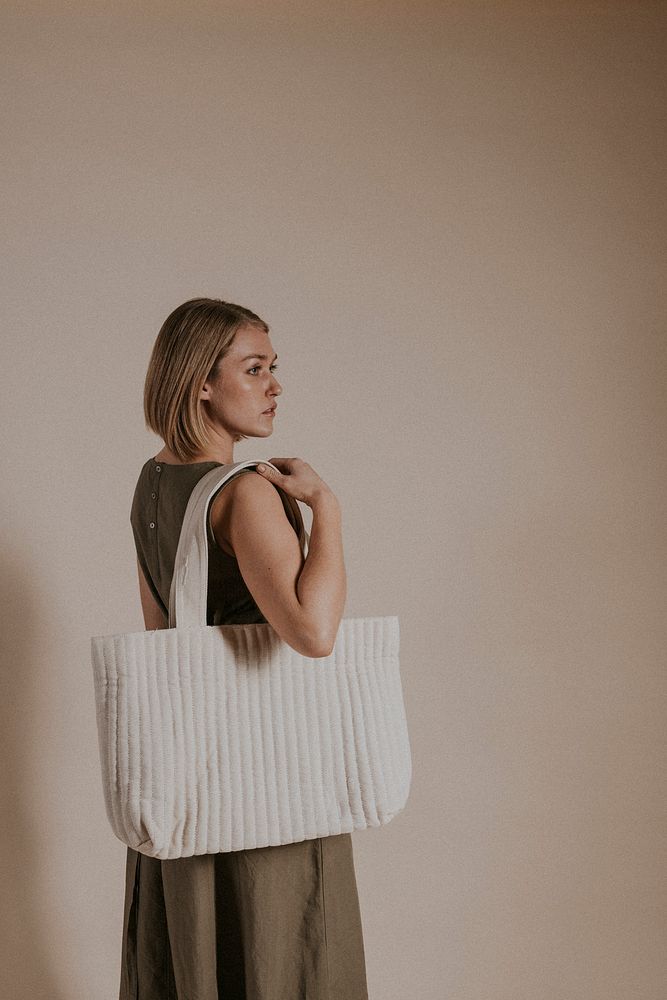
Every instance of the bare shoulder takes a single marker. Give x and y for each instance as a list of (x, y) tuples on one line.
[(246, 488), (245, 494)]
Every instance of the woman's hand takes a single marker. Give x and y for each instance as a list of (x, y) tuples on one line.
[(297, 478)]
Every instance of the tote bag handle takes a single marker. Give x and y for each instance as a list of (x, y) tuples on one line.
[(189, 583)]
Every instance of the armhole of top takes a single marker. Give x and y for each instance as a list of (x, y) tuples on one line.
[(149, 581)]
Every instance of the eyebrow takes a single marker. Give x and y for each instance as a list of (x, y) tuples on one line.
[(263, 357)]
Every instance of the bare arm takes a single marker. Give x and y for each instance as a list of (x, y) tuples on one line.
[(302, 600)]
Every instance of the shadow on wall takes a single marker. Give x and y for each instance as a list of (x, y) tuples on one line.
[(26, 964)]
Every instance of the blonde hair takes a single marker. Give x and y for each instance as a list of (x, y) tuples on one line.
[(189, 349)]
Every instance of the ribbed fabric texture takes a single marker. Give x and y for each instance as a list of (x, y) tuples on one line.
[(222, 738)]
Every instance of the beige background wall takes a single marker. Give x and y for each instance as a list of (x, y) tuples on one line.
[(452, 215)]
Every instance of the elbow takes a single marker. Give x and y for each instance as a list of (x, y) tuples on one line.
[(321, 649), (308, 642), (322, 645), (314, 645), (312, 639), (311, 646)]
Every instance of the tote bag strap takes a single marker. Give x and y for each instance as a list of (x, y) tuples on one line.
[(189, 583)]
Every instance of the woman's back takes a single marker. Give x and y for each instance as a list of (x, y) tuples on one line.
[(158, 507)]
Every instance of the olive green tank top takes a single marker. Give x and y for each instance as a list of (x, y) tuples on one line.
[(156, 516)]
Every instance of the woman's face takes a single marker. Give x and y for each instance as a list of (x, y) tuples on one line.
[(246, 386)]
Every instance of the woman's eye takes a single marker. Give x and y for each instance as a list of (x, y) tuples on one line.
[(255, 367)]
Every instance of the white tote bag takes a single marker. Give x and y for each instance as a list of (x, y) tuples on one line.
[(222, 737)]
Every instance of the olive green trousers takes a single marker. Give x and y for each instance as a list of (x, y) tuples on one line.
[(273, 923)]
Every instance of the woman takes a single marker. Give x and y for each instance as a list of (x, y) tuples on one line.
[(272, 923)]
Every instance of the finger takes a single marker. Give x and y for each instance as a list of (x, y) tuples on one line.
[(268, 472)]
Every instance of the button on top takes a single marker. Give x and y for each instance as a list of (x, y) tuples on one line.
[(157, 468)]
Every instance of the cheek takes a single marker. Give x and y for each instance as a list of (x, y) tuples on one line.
[(236, 389)]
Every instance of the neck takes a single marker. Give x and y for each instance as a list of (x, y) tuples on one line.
[(165, 455)]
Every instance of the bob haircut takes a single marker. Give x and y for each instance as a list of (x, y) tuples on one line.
[(188, 351)]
